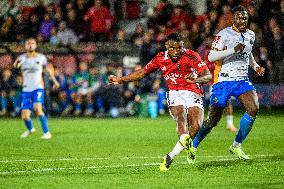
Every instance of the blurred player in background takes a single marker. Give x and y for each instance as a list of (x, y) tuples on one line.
[(230, 117), (233, 45), (184, 71), (32, 64)]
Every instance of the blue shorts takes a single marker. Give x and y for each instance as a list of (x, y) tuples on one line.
[(222, 92), (30, 98)]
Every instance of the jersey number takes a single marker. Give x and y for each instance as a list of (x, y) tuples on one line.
[(39, 94)]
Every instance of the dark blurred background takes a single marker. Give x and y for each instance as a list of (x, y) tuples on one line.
[(87, 40)]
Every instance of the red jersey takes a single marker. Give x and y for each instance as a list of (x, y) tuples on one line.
[(175, 73)]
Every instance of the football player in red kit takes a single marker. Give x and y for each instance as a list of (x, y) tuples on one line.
[(184, 71)]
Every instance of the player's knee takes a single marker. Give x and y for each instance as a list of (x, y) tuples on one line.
[(252, 111), (25, 116), (38, 111)]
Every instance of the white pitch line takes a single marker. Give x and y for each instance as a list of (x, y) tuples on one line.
[(52, 169), (108, 158), (97, 167)]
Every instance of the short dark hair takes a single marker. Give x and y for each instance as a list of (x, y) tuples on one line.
[(174, 36), (239, 8), (31, 38)]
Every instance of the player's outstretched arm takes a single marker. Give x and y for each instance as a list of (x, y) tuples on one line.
[(137, 75), (253, 64), (205, 77), (216, 54), (50, 70)]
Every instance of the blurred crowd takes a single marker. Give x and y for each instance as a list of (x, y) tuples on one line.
[(86, 92)]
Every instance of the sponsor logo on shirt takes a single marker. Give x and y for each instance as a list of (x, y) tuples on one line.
[(173, 77), (224, 74)]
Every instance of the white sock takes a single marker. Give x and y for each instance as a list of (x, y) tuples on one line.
[(230, 120), (176, 150), (236, 144), (182, 137)]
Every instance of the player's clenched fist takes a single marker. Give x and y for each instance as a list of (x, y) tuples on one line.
[(240, 47), (260, 71), (113, 80), (191, 77)]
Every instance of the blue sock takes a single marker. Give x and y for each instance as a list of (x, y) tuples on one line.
[(78, 106), (43, 122), (4, 103), (245, 127), (29, 124), (203, 132)]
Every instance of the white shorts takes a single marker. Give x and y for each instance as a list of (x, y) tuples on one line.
[(185, 98)]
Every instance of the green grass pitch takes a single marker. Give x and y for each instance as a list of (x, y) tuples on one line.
[(126, 153)]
